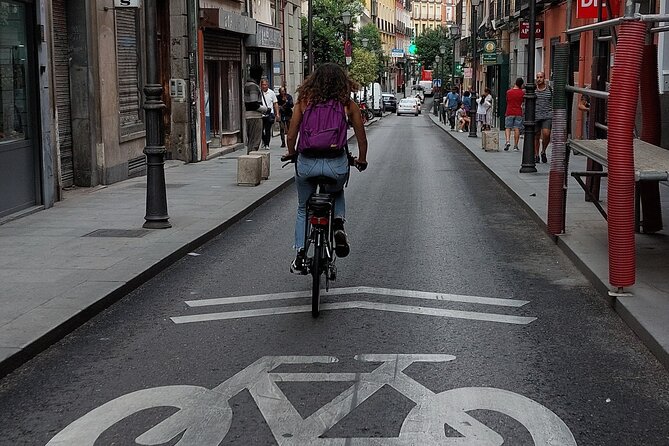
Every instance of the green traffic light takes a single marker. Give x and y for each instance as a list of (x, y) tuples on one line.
[(412, 48)]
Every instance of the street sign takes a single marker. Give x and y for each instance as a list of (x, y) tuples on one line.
[(126, 3), (468, 73), (587, 9), (489, 53), (524, 30), (397, 52), (436, 83)]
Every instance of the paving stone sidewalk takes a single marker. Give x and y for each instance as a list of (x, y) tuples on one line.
[(646, 309)]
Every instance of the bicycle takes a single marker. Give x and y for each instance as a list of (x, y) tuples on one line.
[(205, 416), (319, 244), (367, 114)]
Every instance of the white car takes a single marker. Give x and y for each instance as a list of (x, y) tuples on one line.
[(408, 106)]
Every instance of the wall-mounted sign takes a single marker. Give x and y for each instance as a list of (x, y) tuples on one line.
[(587, 9), (397, 52), (524, 30), (126, 3)]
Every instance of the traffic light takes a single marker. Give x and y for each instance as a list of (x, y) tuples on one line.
[(458, 69), (412, 48)]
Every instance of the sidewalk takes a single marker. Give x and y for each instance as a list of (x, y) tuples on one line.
[(61, 266), (646, 311)]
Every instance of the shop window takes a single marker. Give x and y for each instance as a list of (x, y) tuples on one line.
[(129, 73)]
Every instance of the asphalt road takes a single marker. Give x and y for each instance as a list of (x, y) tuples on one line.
[(455, 321)]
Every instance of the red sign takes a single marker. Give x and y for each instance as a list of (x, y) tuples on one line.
[(347, 49), (524, 30), (587, 9), (426, 75)]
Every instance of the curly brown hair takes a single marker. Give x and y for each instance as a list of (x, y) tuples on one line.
[(328, 81)]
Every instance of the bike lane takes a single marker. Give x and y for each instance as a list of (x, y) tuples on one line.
[(454, 321)]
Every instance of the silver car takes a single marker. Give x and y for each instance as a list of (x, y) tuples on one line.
[(408, 106)]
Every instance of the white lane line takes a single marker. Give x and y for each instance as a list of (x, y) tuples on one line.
[(428, 311), (360, 290)]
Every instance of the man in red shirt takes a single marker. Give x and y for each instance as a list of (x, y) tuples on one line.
[(514, 113)]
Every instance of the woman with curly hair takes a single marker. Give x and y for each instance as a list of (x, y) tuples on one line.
[(328, 84)]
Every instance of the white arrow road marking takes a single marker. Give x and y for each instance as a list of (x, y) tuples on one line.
[(360, 290), (428, 311)]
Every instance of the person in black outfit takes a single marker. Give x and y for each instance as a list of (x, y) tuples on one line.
[(286, 112)]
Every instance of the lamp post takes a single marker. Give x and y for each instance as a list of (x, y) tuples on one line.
[(365, 42), (156, 195), (442, 50), (528, 165), (455, 32), (346, 18), (472, 111), (435, 108), (310, 38)]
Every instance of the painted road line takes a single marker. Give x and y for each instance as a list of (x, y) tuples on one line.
[(360, 290), (363, 305)]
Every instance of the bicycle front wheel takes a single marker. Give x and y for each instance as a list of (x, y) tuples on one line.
[(316, 268)]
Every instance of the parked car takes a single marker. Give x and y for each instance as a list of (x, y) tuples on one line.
[(408, 106), (389, 102)]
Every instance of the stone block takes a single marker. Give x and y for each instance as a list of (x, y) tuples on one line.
[(490, 140), (265, 162), (249, 170)]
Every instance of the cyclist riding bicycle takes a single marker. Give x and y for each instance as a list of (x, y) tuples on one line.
[(328, 85)]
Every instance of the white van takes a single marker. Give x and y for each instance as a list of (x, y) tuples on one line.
[(427, 87), (374, 98)]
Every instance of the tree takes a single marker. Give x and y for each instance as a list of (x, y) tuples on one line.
[(427, 48), (329, 29), (371, 33), (363, 68)]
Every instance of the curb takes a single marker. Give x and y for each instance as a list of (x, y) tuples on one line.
[(57, 333)]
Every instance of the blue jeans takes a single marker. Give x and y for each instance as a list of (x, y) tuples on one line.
[(336, 168)]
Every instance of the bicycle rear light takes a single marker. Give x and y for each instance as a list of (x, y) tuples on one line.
[(318, 221)]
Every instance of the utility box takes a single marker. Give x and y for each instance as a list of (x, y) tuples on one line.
[(178, 90), (490, 140)]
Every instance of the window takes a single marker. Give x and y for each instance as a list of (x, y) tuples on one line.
[(128, 46)]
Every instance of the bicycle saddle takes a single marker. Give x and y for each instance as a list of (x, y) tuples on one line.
[(321, 179)]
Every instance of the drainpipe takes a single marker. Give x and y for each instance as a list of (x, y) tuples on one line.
[(192, 19)]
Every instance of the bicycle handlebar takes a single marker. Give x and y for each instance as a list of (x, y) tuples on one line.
[(352, 161)]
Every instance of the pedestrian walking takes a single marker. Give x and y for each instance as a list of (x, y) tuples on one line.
[(452, 103), (272, 115), (513, 118), (285, 113), (543, 118), (254, 109)]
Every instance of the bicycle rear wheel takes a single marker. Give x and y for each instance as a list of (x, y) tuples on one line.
[(316, 268)]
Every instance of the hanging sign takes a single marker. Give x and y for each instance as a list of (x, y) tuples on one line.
[(126, 3), (524, 30), (489, 53), (587, 9)]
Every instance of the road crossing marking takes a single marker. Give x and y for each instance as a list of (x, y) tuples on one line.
[(358, 304), (360, 290)]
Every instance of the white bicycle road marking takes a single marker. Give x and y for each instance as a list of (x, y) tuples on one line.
[(204, 415), (366, 305), (360, 290)]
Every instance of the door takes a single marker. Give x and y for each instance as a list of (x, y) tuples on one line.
[(18, 136)]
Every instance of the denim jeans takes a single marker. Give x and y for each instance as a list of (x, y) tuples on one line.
[(336, 168)]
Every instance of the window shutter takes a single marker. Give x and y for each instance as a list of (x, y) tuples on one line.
[(128, 70)]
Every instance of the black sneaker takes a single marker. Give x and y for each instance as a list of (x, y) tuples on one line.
[(544, 159), (506, 146), (536, 159), (298, 266), (341, 243)]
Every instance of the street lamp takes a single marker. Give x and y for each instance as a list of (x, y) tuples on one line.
[(365, 42), (472, 111), (455, 32), (156, 195), (528, 165), (435, 108), (346, 18), (442, 50)]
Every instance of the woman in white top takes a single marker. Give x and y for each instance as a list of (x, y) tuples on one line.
[(484, 110)]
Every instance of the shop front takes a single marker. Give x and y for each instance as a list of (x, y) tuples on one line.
[(221, 58), (19, 127), (259, 51)]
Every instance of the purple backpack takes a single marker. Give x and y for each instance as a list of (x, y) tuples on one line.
[(323, 127)]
